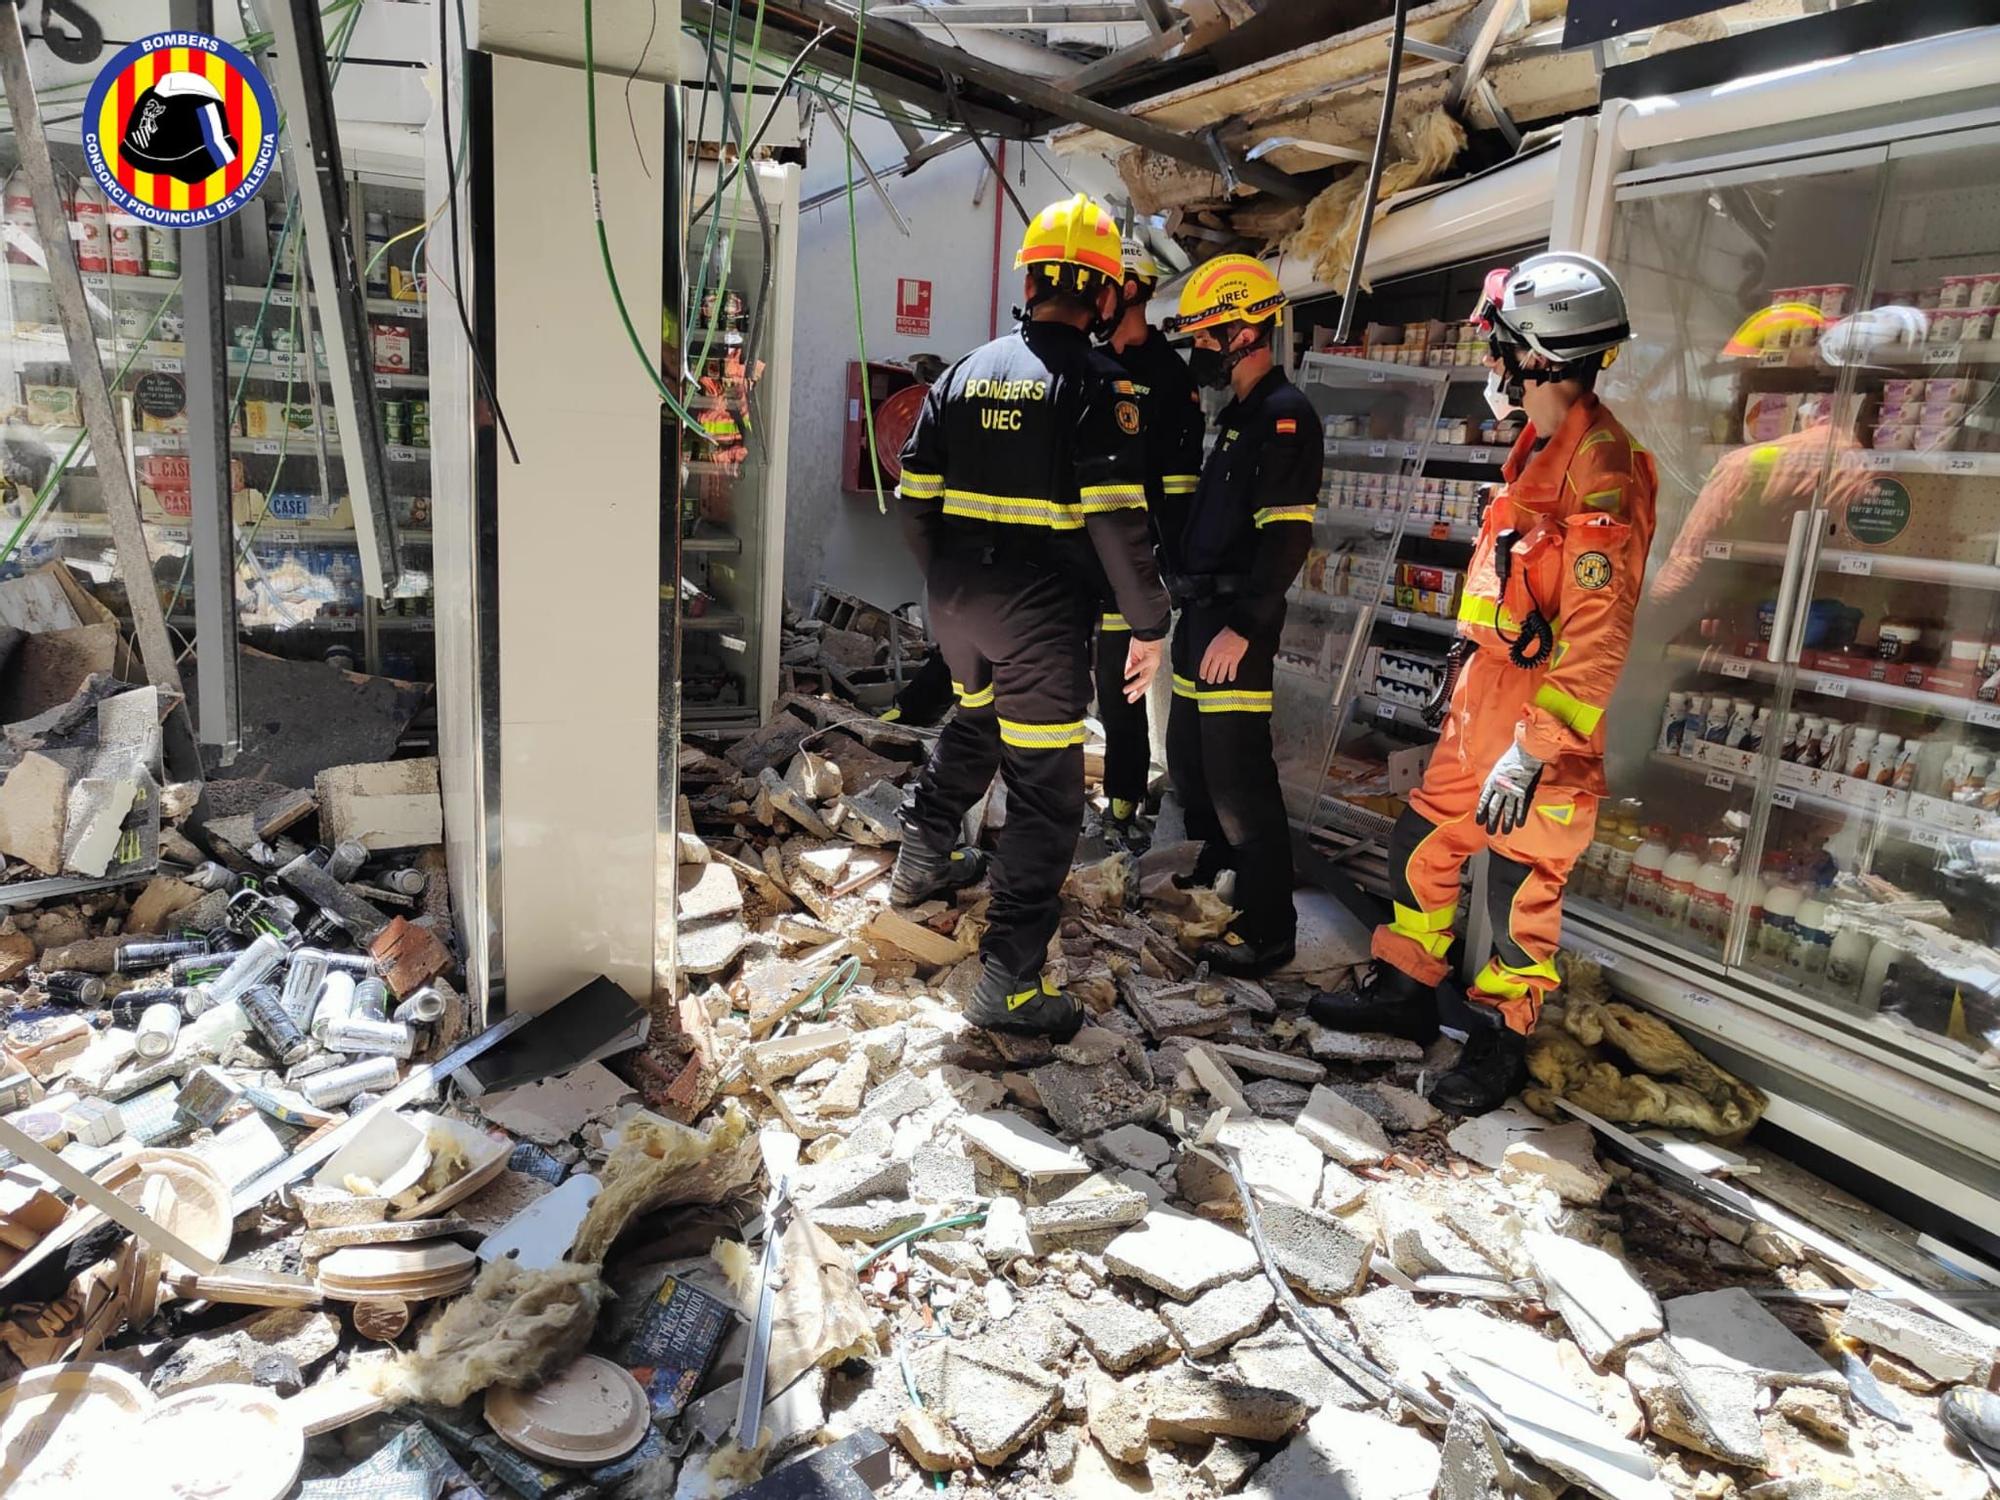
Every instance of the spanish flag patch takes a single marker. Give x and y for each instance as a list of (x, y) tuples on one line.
[(1122, 387), (1287, 425)]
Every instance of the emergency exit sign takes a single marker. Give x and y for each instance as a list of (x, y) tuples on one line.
[(913, 306)]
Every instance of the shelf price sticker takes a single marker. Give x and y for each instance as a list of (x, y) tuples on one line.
[(1378, 377), (1440, 531), (1784, 796), (1961, 465), (1378, 450), (1400, 618), (383, 382), (1830, 687), (1941, 354), (1772, 358), (166, 365), (1384, 709), (1604, 958), (1384, 525), (64, 529), (1721, 781), (1411, 450), (1886, 459), (1482, 455), (1720, 551), (401, 455), (1927, 836), (174, 534), (263, 445), (1856, 565), (288, 535), (1986, 716), (1735, 666)]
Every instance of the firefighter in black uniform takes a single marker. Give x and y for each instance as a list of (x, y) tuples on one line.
[(1170, 408), (1240, 546), (1023, 496)]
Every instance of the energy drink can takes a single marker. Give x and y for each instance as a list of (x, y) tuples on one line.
[(353, 963), (199, 967), (158, 1029), (371, 999), (73, 988), (366, 1037), (348, 856), (424, 1007), (302, 985), (135, 957), (406, 882), (336, 1002), (420, 424), (163, 252), (282, 1036), (341, 1084), (211, 876), (252, 966)]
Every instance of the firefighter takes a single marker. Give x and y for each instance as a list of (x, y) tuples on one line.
[(1023, 496), (1170, 407), (1234, 553), (1543, 631)]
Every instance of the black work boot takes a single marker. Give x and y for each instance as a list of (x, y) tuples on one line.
[(922, 873), (1124, 827), (1491, 1070), (1386, 1001), (1241, 958), (1025, 1007)]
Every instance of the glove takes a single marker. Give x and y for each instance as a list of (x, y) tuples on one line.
[(1510, 787)]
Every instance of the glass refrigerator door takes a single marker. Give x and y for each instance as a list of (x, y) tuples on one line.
[(1883, 871), (1338, 700), (1730, 278), (726, 499)]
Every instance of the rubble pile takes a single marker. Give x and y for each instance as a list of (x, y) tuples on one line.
[(809, 1233)]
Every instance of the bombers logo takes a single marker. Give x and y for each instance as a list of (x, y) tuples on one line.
[(1593, 570), (180, 130)]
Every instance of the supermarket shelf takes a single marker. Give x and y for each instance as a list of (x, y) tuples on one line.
[(1438, 453), (1895, 461), (708, 539), (1831, 685), (160, 286), (1911, 818), (1371, 708), (721, 622), (1958, 575), (50, 351), (299, 445), (1382, 522), (59, 527), (1386, 614), (1965, 352)]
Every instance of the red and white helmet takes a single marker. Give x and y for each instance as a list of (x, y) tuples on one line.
[(1562, 305)]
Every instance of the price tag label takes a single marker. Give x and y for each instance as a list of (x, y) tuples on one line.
[(1735, 666), (401, 455), (1400, 618), (1830, 687), (97, 281), (1384, 525), (1411, 450), (1784, 796), (1859, 567), (1986, 716), (174, 533), (1961, 465), (1604, 958), (344, 625), (1929, 838), (281, 299), (1941, 354), (1378, 377), (1482, 455), (1772, 358), (1378, 450), (1384, 709), (1700, 999), (1880, 461), (382, 382), (167, 366), (64, 529), (1721, 781), (1720, 551), (1440, 531), (263, 445), (281, 534)]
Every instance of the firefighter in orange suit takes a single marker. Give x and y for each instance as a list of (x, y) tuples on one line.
[(1543, 633)]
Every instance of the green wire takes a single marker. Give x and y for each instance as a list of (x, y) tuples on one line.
[(854, 261), (958, 1221), (736, 199), (604, 239)]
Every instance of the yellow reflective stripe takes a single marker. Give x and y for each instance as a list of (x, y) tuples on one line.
[(915, 486), (1601, 498), (1184, 687), (1474, 610), (1012, 510), (1430, 931), (976, 698), (1602, 435), (1220, 701), (1180, 484), (1040, 736), (1494, 980), (1272, 513), (1574, 712), (1563, 813), (1113, 622), (1099, 498)]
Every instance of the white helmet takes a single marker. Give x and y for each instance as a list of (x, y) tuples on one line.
[(1562, 305)]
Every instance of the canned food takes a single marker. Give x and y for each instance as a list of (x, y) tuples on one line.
[(396, 423), (163, 252)]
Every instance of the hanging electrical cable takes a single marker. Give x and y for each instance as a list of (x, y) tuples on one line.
[(451, 197), (763, 125), (731, 118), (854, 262)]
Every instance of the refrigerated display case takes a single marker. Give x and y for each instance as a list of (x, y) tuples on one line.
[(742, 254), (1338, 698), (297, 568), (1801, 856)]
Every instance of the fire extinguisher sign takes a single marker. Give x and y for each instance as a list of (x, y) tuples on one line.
[(913, 306)]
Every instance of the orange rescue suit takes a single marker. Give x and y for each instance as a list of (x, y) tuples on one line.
[(1581, 510)]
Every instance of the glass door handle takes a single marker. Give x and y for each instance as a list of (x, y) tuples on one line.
[(1808, 570), (1788, 591)]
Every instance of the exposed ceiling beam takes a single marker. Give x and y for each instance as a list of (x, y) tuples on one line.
[(1490, 25), (900, 121), (1119, 14), (1114, 64), (900, 42)]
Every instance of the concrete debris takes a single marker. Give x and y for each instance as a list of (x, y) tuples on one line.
[(1021, 1147), (1942, 1352), (1343, 1132), (929, 1439), (1731, 1330), (1354, 1455), (1485, 1138), (1228, 1462), (1604, 1305), (1117, 1416), (1117, 1334), (995, 1397), (1184, 1406), (1395, 1109), (1004, 1236), (1819, 1413), (1085, 1101), (1343, 1046), (1420, 1244), (1134, 1147), (1563, 1159), (1091, 1207), (1317, 1253), (1179, 1254), (1277, 1161), (1219, 1318), (1259, 1062)]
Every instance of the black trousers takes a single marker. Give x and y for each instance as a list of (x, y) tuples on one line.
[(1016, 637), (1219, 756), (1128, 744)]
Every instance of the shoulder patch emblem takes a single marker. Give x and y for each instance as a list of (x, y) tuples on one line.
[(1127, 413), (1593, 570), (1287, 425), (1122, 387)]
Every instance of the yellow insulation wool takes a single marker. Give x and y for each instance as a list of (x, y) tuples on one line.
[(512, 1328), (739, 1264), (657, 1162), (1333, 219)]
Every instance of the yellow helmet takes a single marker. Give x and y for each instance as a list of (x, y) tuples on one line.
[(1139, 263), (1227, 288), (1076, 233)]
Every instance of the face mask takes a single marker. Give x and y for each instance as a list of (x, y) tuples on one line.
[(1210, 367), (1497, 400)]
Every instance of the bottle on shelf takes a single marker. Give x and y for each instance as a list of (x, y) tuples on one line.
[(93, 245), (1708, 902), (1645, 892), (1881, 959), (1781, 906), (128, 244), (1677, 884), (1811, 936), (1847, 959), (23, 237)]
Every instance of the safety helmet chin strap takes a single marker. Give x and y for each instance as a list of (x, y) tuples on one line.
[(1519, 376)]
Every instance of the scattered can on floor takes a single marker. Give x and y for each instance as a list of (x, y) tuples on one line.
[(73, 988), (365, 1036), (271, 1021), (158, 1029), (341, 1084)]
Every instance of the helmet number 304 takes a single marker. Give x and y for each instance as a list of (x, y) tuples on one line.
[(180, 129)]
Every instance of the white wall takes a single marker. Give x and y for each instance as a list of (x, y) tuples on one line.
[(832, 535)]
